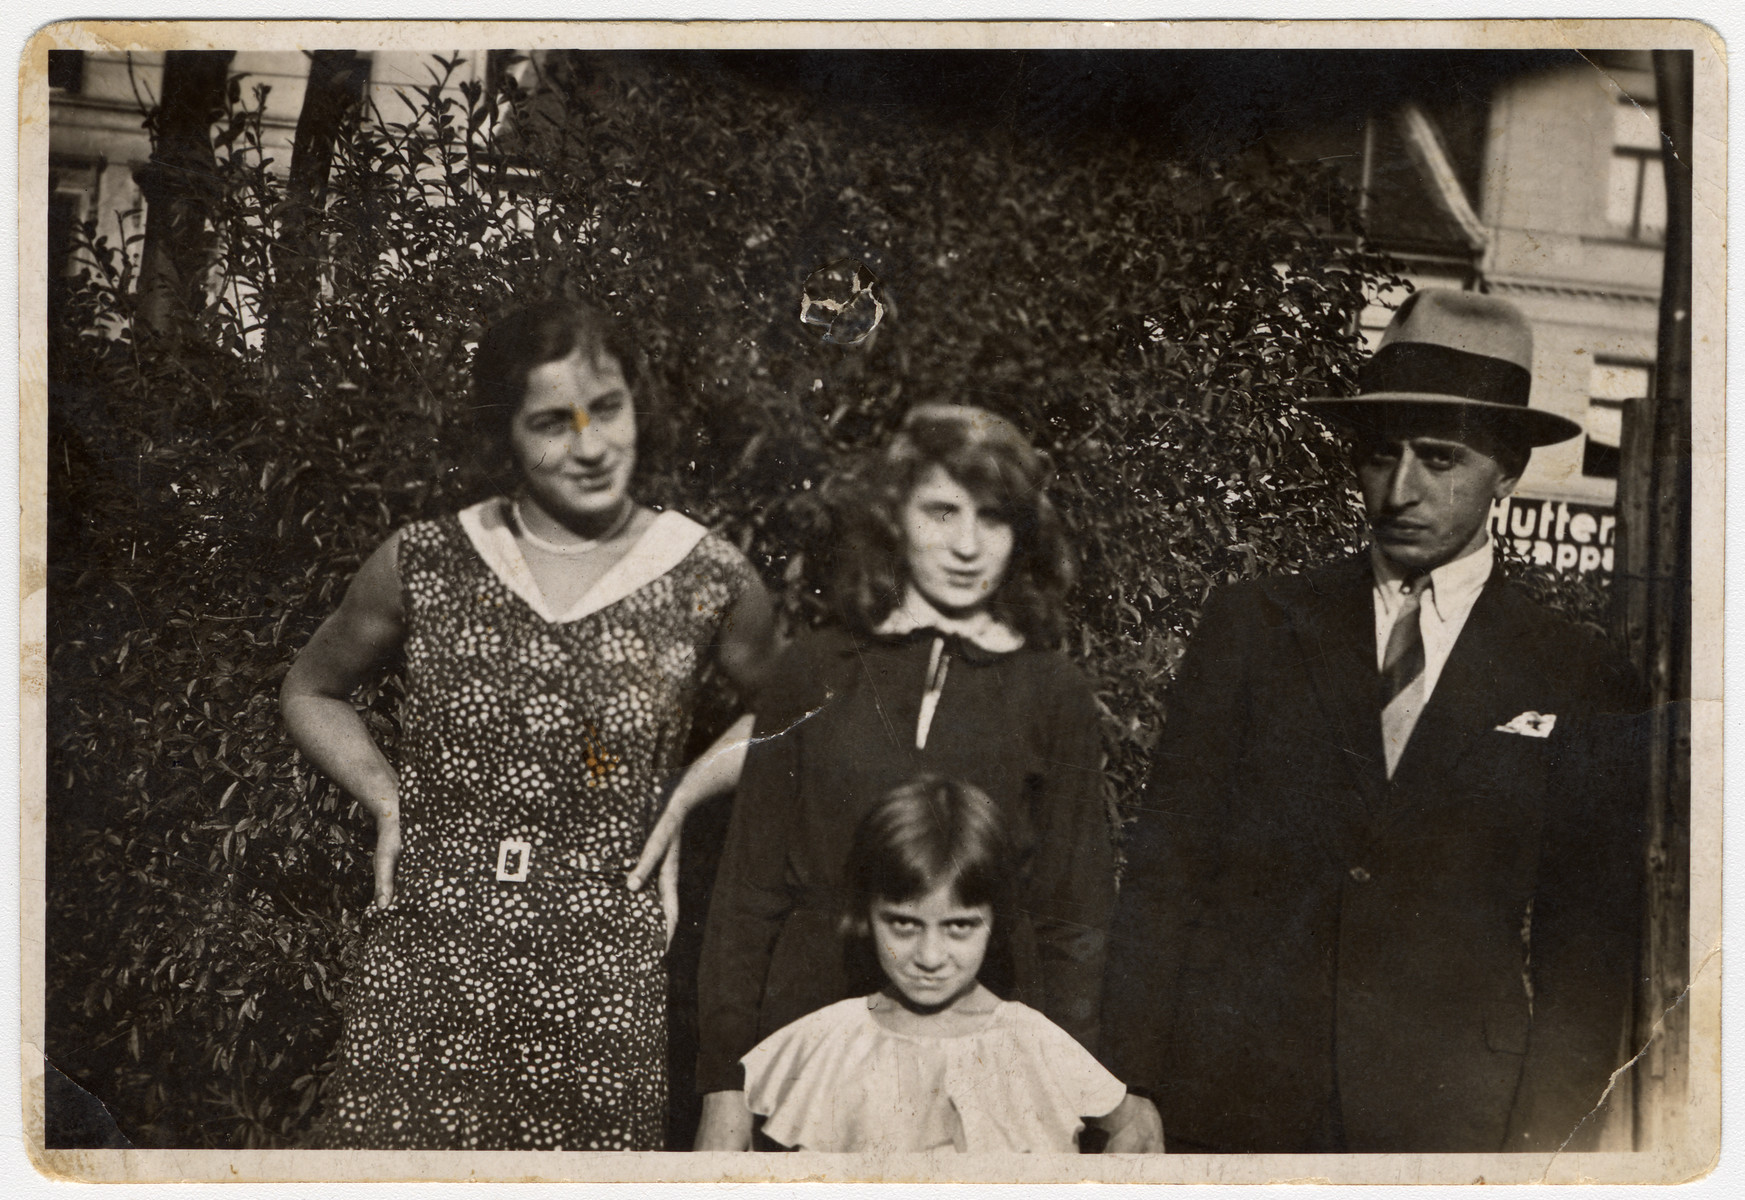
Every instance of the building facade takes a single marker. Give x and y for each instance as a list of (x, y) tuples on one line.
[(99, 102), (1548, 192)]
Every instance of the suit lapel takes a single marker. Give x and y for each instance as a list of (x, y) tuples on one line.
[(1336, 628), (1480, 677)]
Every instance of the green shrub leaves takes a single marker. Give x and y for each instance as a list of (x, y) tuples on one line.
[(1148, 322)]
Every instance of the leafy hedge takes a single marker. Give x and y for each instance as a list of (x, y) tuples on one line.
[(1149, 322)]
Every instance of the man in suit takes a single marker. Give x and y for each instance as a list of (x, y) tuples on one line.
[(1384, 892)]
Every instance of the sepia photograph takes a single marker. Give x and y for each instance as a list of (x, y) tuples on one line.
[(942, 601)]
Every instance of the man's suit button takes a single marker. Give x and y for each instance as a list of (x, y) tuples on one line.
[(1359, 874)]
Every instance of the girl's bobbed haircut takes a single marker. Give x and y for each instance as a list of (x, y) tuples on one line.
[(931, 832), (987, 456), (547, 331), (925, 834)]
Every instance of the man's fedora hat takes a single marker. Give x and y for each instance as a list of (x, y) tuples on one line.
[(1466, 354)]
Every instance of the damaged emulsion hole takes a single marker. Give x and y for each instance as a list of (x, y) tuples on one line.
[(844, 297)]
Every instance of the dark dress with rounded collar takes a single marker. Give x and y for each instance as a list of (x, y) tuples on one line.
[(836, 728)]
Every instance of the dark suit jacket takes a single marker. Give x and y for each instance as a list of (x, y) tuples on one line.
[(1309, 956)]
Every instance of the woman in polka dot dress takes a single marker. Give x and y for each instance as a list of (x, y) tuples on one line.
[(511, 993)]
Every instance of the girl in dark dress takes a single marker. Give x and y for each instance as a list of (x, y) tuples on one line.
[(954, 565)]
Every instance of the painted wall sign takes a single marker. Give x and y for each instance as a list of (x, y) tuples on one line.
[(1557, 533)]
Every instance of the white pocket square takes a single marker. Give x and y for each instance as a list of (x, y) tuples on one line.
[(1531, 724)]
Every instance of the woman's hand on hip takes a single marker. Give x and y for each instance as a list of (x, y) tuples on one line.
[(660, 858), (368, 627), (716, 771), (669, 889), (387, 854)]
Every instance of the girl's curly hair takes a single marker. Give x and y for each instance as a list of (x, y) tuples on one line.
[(996, 464)]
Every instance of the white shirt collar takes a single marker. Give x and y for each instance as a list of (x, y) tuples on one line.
[(983, 629), (1454, 586)]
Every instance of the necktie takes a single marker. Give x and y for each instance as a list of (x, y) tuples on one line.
[(1402, 673)]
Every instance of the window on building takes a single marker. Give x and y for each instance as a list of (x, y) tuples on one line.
[(72, 196), (1636, 193), (65, 210), (66, 70), (1611, 385)]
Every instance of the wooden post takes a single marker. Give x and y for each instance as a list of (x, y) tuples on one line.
[(1652, 616)]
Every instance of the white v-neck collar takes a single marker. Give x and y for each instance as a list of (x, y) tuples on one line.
[(663, 545)]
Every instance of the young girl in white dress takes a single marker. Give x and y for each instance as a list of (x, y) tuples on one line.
[(933, 1060)]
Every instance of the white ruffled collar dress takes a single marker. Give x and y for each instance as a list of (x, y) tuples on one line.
[(837, 1080)]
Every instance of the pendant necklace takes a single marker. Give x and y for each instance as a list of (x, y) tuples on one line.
[(571, 549)]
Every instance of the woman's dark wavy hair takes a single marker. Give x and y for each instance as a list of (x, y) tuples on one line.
[(549, 331), (997, 465), (928, 833)]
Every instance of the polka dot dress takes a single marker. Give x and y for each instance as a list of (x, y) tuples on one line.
[(513, 996)]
